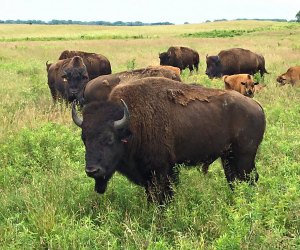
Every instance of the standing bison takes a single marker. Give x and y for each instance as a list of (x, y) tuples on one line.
[(96, 64), (163, 122), (181, 57), (235, 61), (66, 77), (292, 76)]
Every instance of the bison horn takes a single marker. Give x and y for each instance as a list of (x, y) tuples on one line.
[(124, 121), (75, 117)]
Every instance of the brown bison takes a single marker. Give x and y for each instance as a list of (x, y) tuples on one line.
[(100, 87), (65, 78), (292, 76), (242, 83), (163, 122), (235, 61), (96, 64), (181, 57)]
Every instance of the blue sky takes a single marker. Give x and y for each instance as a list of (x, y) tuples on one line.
[(175, 11)]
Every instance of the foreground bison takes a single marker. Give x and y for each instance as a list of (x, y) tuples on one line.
[(235, 61), (100, 87), (181, 57), (167, 122), (242, 83), (65, 77), (292, 76), (96, 64)]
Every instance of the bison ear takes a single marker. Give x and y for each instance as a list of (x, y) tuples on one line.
[(249, 76), (224, 77)]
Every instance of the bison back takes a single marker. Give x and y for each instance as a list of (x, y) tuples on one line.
[(192, 123), (238, 61)]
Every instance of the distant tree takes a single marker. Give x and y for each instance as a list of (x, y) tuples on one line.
[(298, 16)]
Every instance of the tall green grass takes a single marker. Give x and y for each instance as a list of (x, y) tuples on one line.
[(47, 202)]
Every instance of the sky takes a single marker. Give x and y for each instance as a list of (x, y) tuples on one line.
[(148, 11)]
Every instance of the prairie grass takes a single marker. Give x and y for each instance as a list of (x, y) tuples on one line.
[(46, 200)]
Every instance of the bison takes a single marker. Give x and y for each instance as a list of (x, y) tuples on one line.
[(100, 87), (235, 61), (181, 57), (147, 126), (96, 64), (292, 76), (242, 83), (65, 78)]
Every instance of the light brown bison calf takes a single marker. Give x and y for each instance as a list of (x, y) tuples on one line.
[(292, 76), (242, 83)]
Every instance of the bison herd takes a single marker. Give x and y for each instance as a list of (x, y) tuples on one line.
[(143, 122)]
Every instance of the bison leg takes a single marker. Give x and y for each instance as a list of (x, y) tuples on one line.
[(239, 166), (159, 187), (229, 170), (196, 66), (246, 170)]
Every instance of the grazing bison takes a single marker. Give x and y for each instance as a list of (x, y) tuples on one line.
[(242, 83), (292, 76), (96, 64), (65, 78), (163, 122), (181, 57), (100, 87), (235, 61)]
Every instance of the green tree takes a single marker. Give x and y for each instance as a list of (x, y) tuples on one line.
[(298, 16)]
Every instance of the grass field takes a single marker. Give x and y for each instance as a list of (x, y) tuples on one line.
[(47, 202)]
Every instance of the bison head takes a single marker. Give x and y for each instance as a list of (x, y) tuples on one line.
[(213, 66), (282, 80), (104, 128), (75, 76), (164, 58), (249, 86)]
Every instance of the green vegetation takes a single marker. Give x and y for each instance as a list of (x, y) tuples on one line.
[(218, 33), (47, 202)]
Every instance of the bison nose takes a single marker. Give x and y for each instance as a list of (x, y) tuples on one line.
[(94, 171)]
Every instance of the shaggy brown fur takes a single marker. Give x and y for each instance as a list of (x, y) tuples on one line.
[(66, 75), (181, 57), (242, 83), (99, 88), (235, 61), (196, 125), (292, 76), (96, 64)]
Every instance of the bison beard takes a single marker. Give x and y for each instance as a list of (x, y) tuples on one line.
[(170, 122)]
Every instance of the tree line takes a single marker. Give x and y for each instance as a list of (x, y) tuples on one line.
[(56, 22), (121, 23)]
